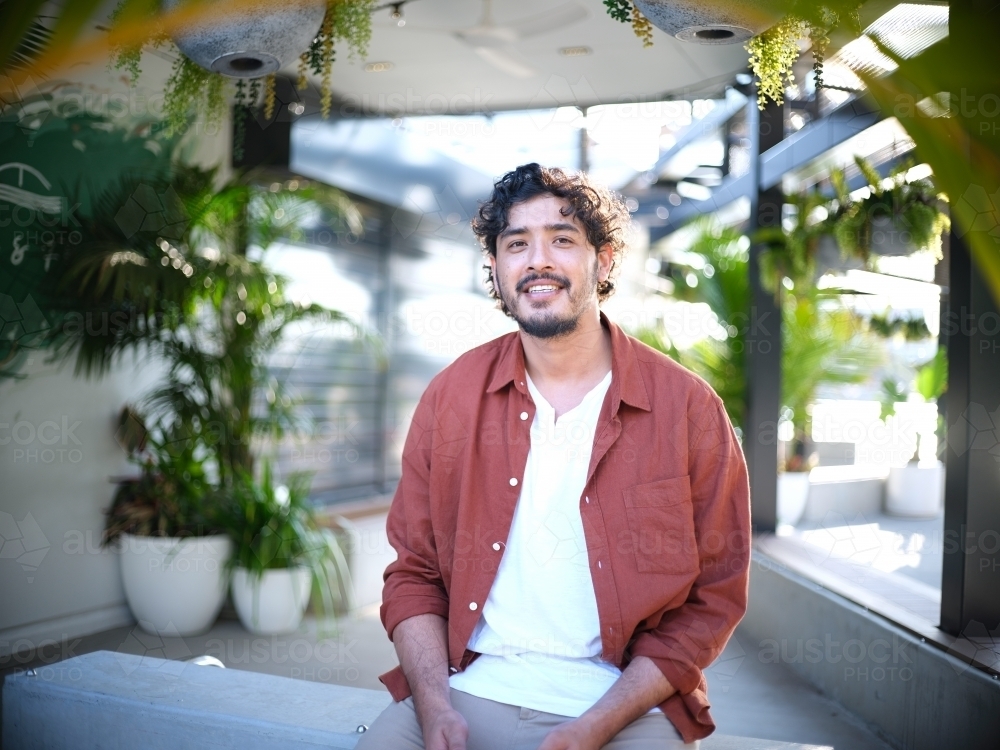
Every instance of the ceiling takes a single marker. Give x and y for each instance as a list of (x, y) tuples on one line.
[(436, 68)]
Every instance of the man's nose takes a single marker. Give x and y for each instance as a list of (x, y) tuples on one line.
[(539, 255)]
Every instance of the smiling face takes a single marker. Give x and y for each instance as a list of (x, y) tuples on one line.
[(546, 271)]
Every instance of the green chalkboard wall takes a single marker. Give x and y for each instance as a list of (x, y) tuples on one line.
[(57, 157)]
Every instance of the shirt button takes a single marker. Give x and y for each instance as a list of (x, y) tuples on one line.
[(524, 415), (587, 499), (473, 606), (452, 669), (496, 546), (513, 481), (598, 563)]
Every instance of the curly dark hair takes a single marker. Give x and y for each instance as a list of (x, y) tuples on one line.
[(602, 213)]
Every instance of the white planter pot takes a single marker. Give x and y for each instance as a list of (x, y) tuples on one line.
[(273, 604), (174, 586), (830, 258), (793, 493), (253, 43), (711, 23), (915, 491), (888, 239)]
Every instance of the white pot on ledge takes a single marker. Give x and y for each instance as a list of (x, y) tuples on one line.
[(793, 494), (274, 603), (175, 586), (915, 490)]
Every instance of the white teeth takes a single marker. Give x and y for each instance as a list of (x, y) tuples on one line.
[(542, 289)]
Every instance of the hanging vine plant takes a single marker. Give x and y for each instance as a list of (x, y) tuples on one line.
[(193, 86), (345, 20), (772, 55), (909, 209), (897, 216), (774, 51), (625, 11)]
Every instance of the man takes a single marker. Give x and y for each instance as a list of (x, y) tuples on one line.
[(572, 521)]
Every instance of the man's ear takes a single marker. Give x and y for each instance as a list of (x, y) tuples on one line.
[(605, 259)]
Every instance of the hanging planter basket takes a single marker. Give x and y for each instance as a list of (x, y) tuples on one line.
[(256, 43), (692, 21)]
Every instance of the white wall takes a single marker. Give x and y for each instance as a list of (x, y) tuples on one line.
[(57, 452)]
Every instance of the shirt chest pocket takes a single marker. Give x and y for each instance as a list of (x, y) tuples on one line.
[(660, 530)]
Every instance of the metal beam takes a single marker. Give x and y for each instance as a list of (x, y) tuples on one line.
[(719, 116), (815, 139), (763, 335), (731, 189), (970, 581), (792, 153)]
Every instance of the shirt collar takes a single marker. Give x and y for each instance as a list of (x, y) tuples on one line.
[(626, 377)]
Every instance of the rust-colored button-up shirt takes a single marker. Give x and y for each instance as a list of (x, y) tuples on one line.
[(666, 512)]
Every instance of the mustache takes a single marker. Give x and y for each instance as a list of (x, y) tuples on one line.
[(523, 283)]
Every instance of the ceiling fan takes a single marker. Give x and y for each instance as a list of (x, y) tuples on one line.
[(495, 43)]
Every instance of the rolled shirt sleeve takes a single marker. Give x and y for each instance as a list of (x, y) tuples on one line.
[(688, 638), (413, 583)]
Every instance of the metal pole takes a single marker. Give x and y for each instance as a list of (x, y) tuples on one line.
[(763, 337)]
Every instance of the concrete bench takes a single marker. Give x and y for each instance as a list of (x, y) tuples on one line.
[(107, 699)]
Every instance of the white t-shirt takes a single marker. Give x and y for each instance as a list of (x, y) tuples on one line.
[(539, 633)]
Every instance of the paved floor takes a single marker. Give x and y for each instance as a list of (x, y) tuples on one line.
[(911, 547), (749, 699)]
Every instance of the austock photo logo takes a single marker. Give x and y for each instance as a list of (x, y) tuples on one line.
[(148, 211), (21, 323), (22, 543), (976, 429)]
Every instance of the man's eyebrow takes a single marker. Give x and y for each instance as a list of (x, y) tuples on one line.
[(512, 230), (560, 227)]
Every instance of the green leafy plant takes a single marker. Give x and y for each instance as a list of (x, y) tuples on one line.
[(892, 392), (913, 207), (790, 252), (822, 344), (722, 284), (625, 11), (192, 88), (911, 329), (930, 382), (345, 20), (273, 527), (168, 499), (187, 292), (773, 52), (932, 378), (823, 341)]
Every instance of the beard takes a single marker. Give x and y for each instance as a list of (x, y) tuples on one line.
[(545, 324)]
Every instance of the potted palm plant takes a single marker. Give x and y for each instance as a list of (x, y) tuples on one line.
[(281, 555), (173, 550), (916, 490), (185, 292), (822, 344)]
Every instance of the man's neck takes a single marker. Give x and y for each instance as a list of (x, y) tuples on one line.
[(565, 368)]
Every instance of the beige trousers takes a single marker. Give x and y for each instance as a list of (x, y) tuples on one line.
[(498, 726)]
